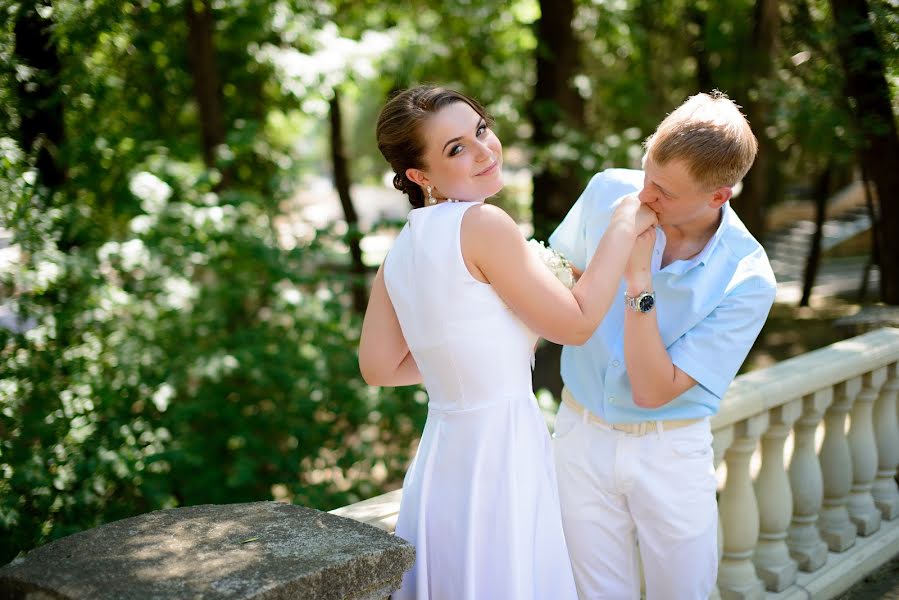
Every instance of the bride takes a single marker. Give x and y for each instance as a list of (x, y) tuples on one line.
[(458, 305)]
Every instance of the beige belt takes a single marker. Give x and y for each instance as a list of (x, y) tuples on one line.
[(631, 428)]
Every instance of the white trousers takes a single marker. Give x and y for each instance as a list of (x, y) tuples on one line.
[(622, 494)]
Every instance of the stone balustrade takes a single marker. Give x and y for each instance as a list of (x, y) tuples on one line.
[(807, 451)]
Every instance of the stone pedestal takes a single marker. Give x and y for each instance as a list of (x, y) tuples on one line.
[(862, 510), (805, 543), (836, 528), (737, 578), (258, 551), (772, 559)]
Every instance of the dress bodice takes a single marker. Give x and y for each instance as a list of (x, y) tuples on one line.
[(469, 346)]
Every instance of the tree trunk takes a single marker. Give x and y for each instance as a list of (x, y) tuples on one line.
[(866, 85), (201, 52), (698, 16), (761, 181), (874, 258), (40, 99), (652, 56), (821, 194), (555, 101), (342, 184)]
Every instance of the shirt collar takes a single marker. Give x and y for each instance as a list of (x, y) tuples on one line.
[(703, 256), (682, 266)]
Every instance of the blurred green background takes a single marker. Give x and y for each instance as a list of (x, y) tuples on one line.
[(192, 204)]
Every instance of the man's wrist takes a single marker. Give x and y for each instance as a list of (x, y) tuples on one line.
[(643, 302), (638, 284)]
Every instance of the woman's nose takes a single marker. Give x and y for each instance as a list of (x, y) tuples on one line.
[(484, 151)]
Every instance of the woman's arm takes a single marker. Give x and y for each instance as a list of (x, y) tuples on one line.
[(492, 242), (384, 357)]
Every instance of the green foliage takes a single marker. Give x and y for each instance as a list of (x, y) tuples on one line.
[(192, 361), (183, 345), (181, 348)]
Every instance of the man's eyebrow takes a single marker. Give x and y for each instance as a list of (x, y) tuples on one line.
[(664, 191)]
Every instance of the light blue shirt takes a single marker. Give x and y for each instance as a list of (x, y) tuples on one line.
[(710, 309)]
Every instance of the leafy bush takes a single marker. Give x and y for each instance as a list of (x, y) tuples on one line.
[(193, 360)]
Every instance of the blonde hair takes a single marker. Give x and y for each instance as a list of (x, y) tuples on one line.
[(710, 134)]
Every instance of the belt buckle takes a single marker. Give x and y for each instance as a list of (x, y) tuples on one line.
[(635, 429)]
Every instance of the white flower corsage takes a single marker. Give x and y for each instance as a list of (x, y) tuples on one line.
[(555, 262)]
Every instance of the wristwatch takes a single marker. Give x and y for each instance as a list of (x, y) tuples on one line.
[(642, 303)]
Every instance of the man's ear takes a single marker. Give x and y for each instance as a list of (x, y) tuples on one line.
[(720, 196), (418, 176)]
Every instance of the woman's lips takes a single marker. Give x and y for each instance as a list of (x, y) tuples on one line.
[(489, 169)]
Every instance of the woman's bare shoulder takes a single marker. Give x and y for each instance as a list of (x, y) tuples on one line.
[(488, 219)]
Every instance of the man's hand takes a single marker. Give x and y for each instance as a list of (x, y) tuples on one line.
[(638, 272)]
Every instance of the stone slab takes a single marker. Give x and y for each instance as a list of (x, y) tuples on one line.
[(258, 551)]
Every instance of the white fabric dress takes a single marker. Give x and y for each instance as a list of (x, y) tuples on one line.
[(480, 502)]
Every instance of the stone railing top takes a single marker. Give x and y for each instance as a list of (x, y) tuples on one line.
[(380, 511), (758, 391), (259, 551)]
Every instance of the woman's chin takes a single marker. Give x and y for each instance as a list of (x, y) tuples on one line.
[(497, 185), (482, 192)]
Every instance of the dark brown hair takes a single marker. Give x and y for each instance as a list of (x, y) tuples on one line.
[(398, 131)]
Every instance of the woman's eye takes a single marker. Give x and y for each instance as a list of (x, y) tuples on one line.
[(455, 150), (481, 130)]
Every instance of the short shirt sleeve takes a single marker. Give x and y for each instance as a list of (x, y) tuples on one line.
[(712, 351)]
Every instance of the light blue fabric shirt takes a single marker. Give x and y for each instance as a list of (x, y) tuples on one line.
[(710, 309)]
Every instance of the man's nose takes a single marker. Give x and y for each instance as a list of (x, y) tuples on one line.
[(645, 197)]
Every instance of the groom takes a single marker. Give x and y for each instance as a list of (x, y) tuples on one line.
[(632, 436)]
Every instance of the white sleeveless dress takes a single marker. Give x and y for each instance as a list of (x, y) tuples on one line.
[(480, 502)]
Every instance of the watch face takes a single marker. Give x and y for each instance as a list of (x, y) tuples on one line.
[(645, 303)]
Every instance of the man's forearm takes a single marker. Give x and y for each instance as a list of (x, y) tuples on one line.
[(655, 380), (649, 367)]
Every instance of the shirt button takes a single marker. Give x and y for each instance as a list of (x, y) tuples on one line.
[(657, 251), (615, 363), (611, 399)]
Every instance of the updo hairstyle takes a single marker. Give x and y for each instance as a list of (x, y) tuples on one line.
[(398, 131)]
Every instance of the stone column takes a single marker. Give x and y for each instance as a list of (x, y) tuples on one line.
[(775, 501), (721, 442), (803, 539), (836, 467), (740, 516), (886, 431), (863, 446)]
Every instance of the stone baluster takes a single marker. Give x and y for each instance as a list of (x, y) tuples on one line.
[(863, 446), (723, 439), (836, 468), (886, 431), (740, 515), (775, 501), (803, 538)]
